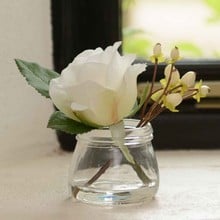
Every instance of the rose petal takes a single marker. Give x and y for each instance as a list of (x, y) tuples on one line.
[(78, 107), (106, 56), (92, 72), (127, 92), (117, 69), (85, 55), (60, 98), (101, 102)]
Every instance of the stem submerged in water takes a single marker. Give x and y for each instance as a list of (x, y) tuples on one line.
[(94, 178), (118, 136)]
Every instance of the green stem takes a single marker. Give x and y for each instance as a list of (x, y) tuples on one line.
[(118, 135), (141, 174)]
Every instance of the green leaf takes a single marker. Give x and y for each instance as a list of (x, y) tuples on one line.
[(142, 100), (60, 122), (37, 76)]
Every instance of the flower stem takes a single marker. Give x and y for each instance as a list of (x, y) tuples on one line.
[(144, 120), (118, 135), (102, 170), (190, 95), (141, 174), (151, 89)]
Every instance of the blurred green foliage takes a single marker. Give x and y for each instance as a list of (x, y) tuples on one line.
[(140, 42), (135, 41), (190, 49), (126, 4), (214, 5)]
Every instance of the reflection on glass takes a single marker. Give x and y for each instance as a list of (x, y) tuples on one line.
[(194, 26)]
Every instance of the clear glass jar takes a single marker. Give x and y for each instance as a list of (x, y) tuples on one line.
[(100, 174)]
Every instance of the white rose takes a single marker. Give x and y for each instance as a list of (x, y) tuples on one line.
[(98, 88)]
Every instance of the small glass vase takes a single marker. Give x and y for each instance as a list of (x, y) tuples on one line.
[(100, 173)]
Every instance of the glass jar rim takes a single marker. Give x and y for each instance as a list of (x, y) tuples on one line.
[(143, 134)]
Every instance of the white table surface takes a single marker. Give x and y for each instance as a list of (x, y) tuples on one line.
[(37, 189)]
